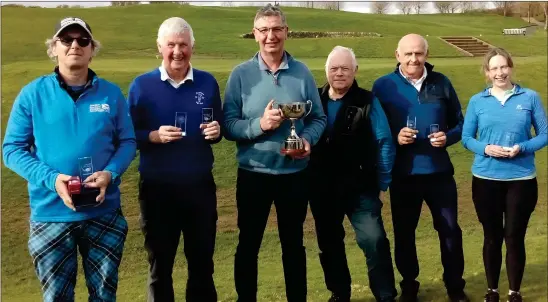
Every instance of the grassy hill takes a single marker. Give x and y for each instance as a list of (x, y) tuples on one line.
[(130, 32), (128, 35)]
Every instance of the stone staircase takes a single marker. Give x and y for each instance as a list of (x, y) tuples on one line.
[(470, 46)]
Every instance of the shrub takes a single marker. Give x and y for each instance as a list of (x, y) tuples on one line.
[(321, 34)]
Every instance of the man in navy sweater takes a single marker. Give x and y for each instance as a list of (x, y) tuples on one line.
[(176, 111), (425, 116), (72, 123)]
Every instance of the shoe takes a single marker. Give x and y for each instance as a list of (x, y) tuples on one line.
[(514, 297), (339, 298), (408, 297), (492, 296), (459, 297)]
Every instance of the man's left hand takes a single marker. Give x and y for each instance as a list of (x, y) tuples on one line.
[(211, 130), (438, 139), (515, 150), (307, 150), (99, 179)]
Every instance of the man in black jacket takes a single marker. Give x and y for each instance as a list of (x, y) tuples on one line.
[(349, 167)]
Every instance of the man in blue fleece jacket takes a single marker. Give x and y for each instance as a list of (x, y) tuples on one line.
[(177, 192), (59, 122), (423, 170), (264, 174), (350, 166)]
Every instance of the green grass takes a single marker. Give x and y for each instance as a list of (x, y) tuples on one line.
[(129, 51)]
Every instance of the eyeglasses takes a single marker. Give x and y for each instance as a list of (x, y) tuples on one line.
[(275, 30), (82, 41)]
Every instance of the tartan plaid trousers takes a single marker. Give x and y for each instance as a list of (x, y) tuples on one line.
[(53, 247)]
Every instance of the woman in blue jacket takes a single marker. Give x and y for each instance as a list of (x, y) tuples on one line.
[(497, 128)]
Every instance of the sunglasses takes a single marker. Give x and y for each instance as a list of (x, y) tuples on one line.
[(82, 41)]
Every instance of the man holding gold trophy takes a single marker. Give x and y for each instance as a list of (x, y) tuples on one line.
[(260, 95)]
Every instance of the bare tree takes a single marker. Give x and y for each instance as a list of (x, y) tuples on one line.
[(417, 6), (228, 4), (331, 5), (405, 7), (442, 6), (453, 7), (124, 3), (503, 7), (380, 7), (466, 6)]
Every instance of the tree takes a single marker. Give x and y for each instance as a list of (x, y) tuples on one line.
[(331, 5), (125, 3), (466, 6), (380, 7), (417, 6), (442, 6), (503, 7), (405, 7)]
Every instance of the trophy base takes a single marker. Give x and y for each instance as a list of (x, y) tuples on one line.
[(293, 152), (86, 198)]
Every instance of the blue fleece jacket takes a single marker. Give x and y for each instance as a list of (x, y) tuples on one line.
[(249, 89), (153, 103), (48, 131), (487, 122), (436, 103)]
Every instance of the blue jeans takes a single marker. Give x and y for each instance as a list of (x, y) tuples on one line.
[(364, 213)]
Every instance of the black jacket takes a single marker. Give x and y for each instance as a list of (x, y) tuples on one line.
[(346, 157)]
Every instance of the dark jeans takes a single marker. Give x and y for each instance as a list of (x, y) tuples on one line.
[(504, 209), (364, 213), (439, 191), (255, 193), (166, 211)]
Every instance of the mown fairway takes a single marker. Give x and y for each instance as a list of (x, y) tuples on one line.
[(128, 35)]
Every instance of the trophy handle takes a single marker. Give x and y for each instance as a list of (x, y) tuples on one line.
[(309, 102)]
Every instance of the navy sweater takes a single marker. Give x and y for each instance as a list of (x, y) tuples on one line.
[(152, 104), (436, 103)]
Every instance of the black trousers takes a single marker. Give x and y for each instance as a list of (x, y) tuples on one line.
[(255, 193), (504, 209), (166, 211), (439, 191)]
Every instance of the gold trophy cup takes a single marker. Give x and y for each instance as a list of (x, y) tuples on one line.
[(293, 144)]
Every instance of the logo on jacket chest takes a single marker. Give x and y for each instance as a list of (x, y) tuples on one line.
[(200, 96), (99, 108)]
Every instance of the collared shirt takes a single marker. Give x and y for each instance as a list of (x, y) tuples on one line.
[(283, 65), (418, 83), (505, 96), (164, 76)]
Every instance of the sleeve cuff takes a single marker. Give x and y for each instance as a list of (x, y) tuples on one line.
[(51, 181), (256, 127)]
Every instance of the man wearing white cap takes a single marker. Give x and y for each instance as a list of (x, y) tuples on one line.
[(71, 130)]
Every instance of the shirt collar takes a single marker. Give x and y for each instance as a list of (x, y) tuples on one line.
[(424, 74), (164, 76), (263, 66), (515, 90)]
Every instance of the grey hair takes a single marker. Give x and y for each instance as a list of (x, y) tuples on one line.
[(174, 26), (270, 10), (423, 41), (50, 43), (338, 49)]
